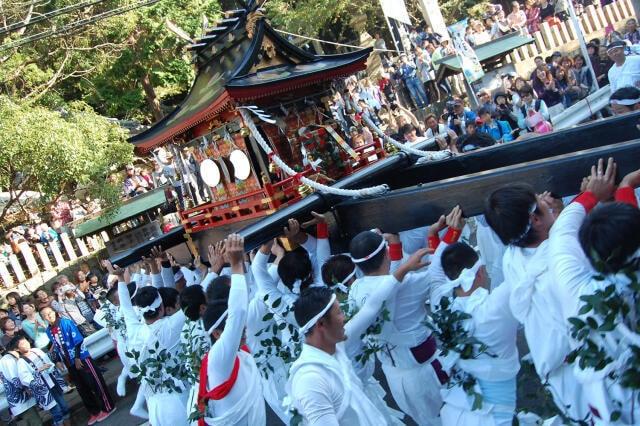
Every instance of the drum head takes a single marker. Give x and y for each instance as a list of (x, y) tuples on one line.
[(241, 164), (210, 172)]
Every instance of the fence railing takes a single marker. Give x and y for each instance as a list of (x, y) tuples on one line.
[(562, 37), (40, 263)]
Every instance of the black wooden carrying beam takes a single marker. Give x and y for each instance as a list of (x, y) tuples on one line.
[(591, 135), (422, 205)]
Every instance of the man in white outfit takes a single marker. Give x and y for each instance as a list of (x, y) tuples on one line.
[(522, 220), (230, 388), (409, 358)]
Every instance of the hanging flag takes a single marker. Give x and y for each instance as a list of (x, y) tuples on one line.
[(471, 67), (396, 9)]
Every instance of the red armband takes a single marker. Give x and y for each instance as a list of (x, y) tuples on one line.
[(322, 230), (587, 199), (626, 195), (452, 235), (433, 241), (395, 251)]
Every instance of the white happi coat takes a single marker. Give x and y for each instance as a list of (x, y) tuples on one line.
[(16, 394), (165, 408), (243, 405), (537, 302), (571, 268), (415, 387)]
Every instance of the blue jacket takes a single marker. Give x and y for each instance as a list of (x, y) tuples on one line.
[(469, 117), (68, 342), (500, 131)]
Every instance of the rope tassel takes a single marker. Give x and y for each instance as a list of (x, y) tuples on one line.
[(374, 191)]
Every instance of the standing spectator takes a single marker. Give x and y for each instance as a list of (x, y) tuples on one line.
[(48, 235), (533, 112), (469, 36), (517, 19), (550, 93), (480, 34), (532, 11), (133, 185), (594, 57), (582, 74), (9, 330), (499, 130), (423, 63), (380, 44), (504, 110), (568, 87), (37, 372), (625, 70), (408, 72), (76, 308), (15, 305), (34, 326), (21, 403), (484, 99), (69, 349), (631, 32), (42, 300), (445, 137), (56, 298), (431, 36), (547, 11)]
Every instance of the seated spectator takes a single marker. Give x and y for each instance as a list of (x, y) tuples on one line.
[(357, 139), (480, 34), (532, 11), (631, 32), (517, 19), (472, 139), (499, 130), (459, 116), (409, 134), (533, 113), (625, 100), (34, 326)]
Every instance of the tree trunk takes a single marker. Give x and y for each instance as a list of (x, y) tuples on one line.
[(151, 97)]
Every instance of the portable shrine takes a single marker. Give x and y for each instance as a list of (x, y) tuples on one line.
[(243, 61)]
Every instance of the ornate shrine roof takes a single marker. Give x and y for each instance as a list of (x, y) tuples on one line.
[(243, 58)]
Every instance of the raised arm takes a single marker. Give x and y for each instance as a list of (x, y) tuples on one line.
[(223, 353)]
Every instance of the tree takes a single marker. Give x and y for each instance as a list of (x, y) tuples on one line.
[(57, 152)]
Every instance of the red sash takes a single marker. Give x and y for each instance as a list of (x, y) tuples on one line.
[(219, 391)]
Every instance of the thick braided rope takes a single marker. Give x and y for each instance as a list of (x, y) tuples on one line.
[(355, 193), (426, 155)]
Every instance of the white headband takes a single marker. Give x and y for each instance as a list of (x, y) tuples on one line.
[(218, 322), (532, 210), (382, 245), (177, 276), (466, 277), (305, 328), (134, 292), (295, 288), (152, 307), (342, 285), (625, 102)]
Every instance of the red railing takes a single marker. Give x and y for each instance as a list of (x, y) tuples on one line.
[(247, 206)]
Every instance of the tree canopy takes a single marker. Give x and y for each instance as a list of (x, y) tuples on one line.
[(58, 152)]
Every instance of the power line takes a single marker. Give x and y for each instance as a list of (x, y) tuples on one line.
[(76, 25), (48, 15)]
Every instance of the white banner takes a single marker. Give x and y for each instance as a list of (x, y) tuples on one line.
[(396, 9)]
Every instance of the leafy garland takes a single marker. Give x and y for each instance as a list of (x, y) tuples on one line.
[(114, 321), (448, 326), (600, 327), (371, 344), (194, 345), (272, 344), (160, 370)]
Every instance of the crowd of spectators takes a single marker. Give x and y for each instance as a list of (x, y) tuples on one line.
[(407, 87)]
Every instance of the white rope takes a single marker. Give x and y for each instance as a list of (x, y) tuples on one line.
[(357, 193), (427, 155), (331, 42)]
